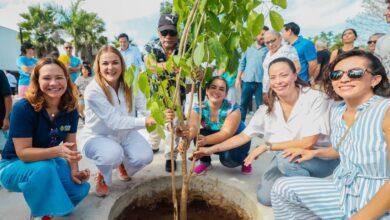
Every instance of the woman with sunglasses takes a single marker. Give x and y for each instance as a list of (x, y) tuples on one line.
[(348, 38), (293, 118), (111, 139), (360, 137), (40, 158)]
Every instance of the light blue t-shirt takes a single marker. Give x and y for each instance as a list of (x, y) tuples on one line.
[(306, 53), (74, 62), (24, 77)]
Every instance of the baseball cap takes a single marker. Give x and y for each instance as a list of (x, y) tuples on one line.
[(167, 22)]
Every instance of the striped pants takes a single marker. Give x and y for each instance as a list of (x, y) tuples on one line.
[(305, 198)]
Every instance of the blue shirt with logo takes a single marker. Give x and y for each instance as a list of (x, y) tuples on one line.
[(27, 123), (306, 53), (24, 77), (74, 62)]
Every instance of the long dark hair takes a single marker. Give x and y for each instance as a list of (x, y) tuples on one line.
[(298, 83), (208, 84), (374, 64)]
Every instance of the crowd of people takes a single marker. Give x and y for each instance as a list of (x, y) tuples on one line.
[(320, 114)]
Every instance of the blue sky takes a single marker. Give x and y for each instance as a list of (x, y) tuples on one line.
[(139, 18)]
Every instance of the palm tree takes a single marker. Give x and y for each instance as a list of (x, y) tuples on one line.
[(84, 27), (40, 28)]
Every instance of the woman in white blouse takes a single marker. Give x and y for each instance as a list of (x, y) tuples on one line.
[(273, 41), (111, 139), (295, 117)]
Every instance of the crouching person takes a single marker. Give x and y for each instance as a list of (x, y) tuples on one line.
[(111, 133), (40, 158)]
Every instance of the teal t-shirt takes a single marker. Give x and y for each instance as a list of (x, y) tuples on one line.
[(24, 77), (74, 62)]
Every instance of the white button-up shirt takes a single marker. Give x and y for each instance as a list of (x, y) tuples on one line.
[(105, 119), (309, 116)]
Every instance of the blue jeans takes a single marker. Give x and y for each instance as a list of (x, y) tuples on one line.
[(46, 185), (282, 167), (248, 90), (231, 158)]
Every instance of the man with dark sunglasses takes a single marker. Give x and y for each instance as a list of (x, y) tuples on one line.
[(72, 63), (166, 45)]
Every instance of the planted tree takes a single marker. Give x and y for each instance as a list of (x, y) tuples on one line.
[(212, 31)]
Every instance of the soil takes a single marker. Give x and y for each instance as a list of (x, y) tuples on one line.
[(198, 209)]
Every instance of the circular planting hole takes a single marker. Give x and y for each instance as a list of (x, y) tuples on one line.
[(207, 199)]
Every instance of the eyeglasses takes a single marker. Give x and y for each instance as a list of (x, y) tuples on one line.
[(371, 42), (171, 33), (270, 42), (356, 73), (68, 47)]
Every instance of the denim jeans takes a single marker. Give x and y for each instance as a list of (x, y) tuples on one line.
[(46, 185), (248, 90), (231, 158), (280, 166)]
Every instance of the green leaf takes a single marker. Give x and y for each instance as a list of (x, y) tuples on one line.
[(213, 21), (157, 113), (277, 21), (199, 54), (129, 75), (257, 24), (160, 131), (143, 84), (151, 128), (281, 3)]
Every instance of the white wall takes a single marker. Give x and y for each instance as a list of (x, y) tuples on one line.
[(9, 48)]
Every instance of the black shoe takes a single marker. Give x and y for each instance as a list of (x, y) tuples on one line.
[(155, 150), (168, 165)]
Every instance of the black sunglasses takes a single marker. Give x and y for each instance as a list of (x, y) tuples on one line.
[(356, 73), (171, 33), (371, 42)]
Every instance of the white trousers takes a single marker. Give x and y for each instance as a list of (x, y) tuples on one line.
[(108, 152)]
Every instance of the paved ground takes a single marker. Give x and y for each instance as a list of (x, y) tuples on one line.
[(13, 206)]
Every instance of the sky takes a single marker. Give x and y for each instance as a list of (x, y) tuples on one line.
[(139, 18)]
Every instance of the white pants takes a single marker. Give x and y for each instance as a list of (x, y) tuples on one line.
[(109, 152)]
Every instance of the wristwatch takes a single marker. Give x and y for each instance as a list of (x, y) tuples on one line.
[(268, 146)]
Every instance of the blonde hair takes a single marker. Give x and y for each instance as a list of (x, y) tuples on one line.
[(35, 96), (102, 82)]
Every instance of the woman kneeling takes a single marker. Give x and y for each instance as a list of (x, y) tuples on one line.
[(40, 158)]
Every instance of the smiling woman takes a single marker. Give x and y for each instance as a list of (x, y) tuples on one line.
[(40, 158)]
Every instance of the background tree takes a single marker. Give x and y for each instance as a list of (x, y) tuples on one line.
[(84, 28), (40, 28), (333, 40), (370, 20), (166, 7)]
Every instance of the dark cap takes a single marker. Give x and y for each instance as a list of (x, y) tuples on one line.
[(167, 22)]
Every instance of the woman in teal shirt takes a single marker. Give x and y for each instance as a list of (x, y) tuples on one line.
[(25, 63)]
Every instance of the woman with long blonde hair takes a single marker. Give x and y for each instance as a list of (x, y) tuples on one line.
[(111, 133)]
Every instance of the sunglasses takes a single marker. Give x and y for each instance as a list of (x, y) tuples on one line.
[(356, 73), (68, 47), (270, 42), (171, 33), (371, 42)]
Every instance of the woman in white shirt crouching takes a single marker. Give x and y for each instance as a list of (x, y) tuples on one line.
[(295, 117), (111, 139)]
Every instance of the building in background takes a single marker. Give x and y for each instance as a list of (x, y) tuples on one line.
[(9, 49)]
